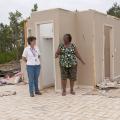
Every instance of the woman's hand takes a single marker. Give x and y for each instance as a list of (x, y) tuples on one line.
[(83, 62), (39, 56), (57, 53), (78, 56)]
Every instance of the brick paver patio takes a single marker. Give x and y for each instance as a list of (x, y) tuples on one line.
[(52, 106)]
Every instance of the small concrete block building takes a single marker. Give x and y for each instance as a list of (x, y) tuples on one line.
[(96, 35)]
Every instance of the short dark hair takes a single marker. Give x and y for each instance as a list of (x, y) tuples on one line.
[(68, 36), (30, 39)]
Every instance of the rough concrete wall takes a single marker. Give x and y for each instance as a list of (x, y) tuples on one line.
[(100, 21), (85, 47), (117, 49), (107, 32), (67, 22)]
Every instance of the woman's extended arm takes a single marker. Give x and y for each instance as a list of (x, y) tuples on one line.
[(57, 53), (78, 56)]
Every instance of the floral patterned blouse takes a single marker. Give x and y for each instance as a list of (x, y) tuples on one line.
[(67, 55)]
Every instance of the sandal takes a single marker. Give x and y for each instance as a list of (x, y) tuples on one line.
[(72, 92), (63, 93)]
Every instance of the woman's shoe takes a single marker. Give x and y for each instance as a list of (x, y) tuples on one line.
[(32, 95), (38, 93)]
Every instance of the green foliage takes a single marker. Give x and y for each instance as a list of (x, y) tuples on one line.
[(7, 56), (12, 38), (5, 38), (114, 10), (17, 26), (10, 55), (15, 20), (35, 8)]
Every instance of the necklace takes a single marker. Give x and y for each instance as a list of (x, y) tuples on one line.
[(33, 52)]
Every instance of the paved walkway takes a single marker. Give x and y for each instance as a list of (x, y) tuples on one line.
[(52, 106)]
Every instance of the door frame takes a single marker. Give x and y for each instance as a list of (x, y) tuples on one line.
[(38, 37), (111, 52)]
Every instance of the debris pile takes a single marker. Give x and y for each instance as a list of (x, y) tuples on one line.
[(10, 68), (7, 93), (10, 73), (107, 84), (110, 89), (8, 80)]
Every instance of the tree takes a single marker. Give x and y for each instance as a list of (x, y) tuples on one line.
[(12, 37), (15, 19), (17, 27), (114, 10), (5, 38), (35, 8)]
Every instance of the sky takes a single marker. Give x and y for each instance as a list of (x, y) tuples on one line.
[(25, 6)]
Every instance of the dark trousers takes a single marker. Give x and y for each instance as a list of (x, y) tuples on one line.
[(33, 75)]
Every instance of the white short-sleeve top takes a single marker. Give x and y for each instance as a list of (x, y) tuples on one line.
[(32, 55)]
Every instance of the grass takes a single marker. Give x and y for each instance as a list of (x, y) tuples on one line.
[(11, 55), (7, 56)]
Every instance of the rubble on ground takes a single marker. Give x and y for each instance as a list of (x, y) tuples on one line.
[(108, 88), (10, 73), (7, 80), (107, 84), (7, 93), (10, 68)]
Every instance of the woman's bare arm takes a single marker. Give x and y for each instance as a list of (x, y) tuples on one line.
[(78, 56), (57, 53)]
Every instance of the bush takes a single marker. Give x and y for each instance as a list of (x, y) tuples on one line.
[(7, 56), (11, 55)]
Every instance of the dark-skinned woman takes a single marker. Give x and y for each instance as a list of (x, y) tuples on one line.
[(68, 62)]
